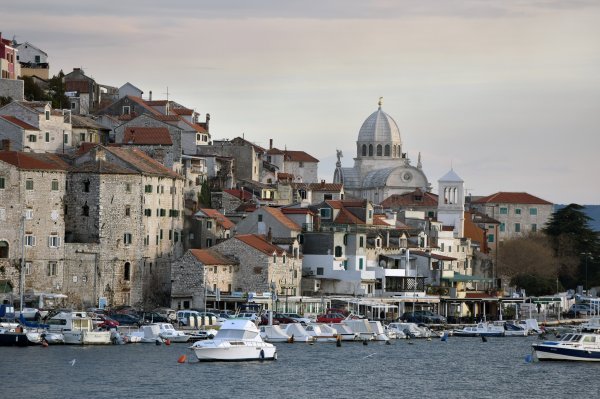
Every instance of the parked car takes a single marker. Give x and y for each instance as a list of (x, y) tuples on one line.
[(330, 318), (107, 322), (125, 319), (423, 316), (169, 313), (298, 318), (183, 316), (578, 309), (249, 316), (154, 317)]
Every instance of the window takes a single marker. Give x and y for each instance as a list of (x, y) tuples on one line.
[(209, 224), (209, 242), (163, 212), (54, 185), (198, 137), (86, 186), (28, 213), (28, 268), (126, 110), (29, 184), (47, 137), (360, 263), (147, 212), (170, 235), (379, 152), (320, 271), (127, 211), (517, 227), (325, 213), (176, 236), (127, 239), (370, 150), (47, 115), (2, 183), (160, 234), (65, 138), (364, 150), (73, 105), (29, 240), (3, 249), (300, 164), (52, 269), (85, 210), (532, 211), (338, 251), (490, 238), (386, 151), (148, 188), (361, 241), (327, 197), (534, 228), (127, 187), (127, 271), (260, 218), (517, 211), (146, 240), (503, 211), (502, 227), (54, 241), (442, 247)]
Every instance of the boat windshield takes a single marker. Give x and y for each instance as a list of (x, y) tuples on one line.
[(236, 334)]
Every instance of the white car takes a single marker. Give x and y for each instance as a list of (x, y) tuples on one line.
[(248, 316), (298, 318)]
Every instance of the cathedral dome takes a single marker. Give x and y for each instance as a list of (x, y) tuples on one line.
[(379, 127)]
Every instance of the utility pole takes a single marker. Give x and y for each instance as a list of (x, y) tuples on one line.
[(22, 274)]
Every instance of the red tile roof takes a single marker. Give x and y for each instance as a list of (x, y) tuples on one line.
[(378, 220), (260, 243), (415, 198), (282, 176), (299, 156), (142, 162), (147, 136), (297, 211), (275, 151), (511, 198), (18, 122), (156, 103), (211, 257), (221, 219), (347, 217), (241, 194), (182, 111), (168, 118), (33, 161), (281, 218), (337, 187)]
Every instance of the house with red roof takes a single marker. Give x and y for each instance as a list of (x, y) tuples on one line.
[(83, 92), (299, 165), (519, 213), (267, 220), (32, 226), (213, 227)]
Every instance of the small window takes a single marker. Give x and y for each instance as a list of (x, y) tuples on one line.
[(127, 211), (127, 239), (29, 184), (29, 240), (379, 150), (126, 110), (490, 238), (28, 214), (85, 210), (360, 263), (534, 228), (54, 185), (47, 115), (127, 187), (338, 251), (504, 211), (52, 269), (300, 164), (127, 271), (320, 271), (517, 211), (325, 213), (147, 212), (86, 186), (533, 211), (54, 241), (517, 227), (361, 241), (47, 137), (502, 227), (260, 218), (3, 249), (65, 138), (2, 183), (28, 268), (209, 224), (208, 242)]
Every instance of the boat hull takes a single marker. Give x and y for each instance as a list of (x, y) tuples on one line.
[(244, 353), (15, 339), (87, 337), (545, 351), (477, 334)]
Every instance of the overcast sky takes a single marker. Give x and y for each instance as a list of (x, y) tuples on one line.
[(505, 92)]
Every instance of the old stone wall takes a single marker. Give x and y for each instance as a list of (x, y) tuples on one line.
[(13, 88)]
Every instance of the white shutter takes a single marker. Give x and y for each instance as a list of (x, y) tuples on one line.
[(33, 241)]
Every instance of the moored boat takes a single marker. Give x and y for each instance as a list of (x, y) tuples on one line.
[(574, 346), (77, 328), (480, 330)]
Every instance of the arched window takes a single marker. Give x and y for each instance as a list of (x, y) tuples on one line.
[(379, 148), (386, 151), (394, 151), (127, 271), (85, 210), (3, 249), (364, 150), (338, 251), (370, 150)]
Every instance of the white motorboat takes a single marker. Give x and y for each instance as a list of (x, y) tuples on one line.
[(361, 327), (592, 325), (236, 340), (148, 334), (345, 332), (409, 330), (274, 334), (167, 331), (480, 330), (299, 333), (378, 331), (574, 346), (322, 332), (512, 329), (77, 328)]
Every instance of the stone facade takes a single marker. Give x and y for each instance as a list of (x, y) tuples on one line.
[(13, 88)]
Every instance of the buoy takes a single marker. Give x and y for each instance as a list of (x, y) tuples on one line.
[(483, 338), (167, 342), (388, 343), (158, 342), (182, 359), (338, 341), (45, 343), (365, 342)]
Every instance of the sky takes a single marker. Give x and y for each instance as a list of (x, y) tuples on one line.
[(506, 93)]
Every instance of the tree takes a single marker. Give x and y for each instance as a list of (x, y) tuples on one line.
[(5, 100), (536, 285), (204, 196), (32, 91)]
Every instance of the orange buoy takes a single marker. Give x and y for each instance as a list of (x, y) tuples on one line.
[(182, 359), (167, 342), (45, 344)]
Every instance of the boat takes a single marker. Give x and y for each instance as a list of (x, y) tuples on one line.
[(361, 327), (592, 325), (512, 329), (274, 334), (480, 330), (299, 333), (409, 330), (77, 329), (573, 346), (168, 332), (378, 331), (345, 332), (236, 340), (18, 336), (148, 334), (322, 332)]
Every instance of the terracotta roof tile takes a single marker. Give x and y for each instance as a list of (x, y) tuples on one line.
[(281, 218), (33, 161), (511, 198), (297, 211), (221, 219), (156, 103), (241, 194), (378, 220), (414, 198), (275, 151), (337, 187), (299, 156), (183, 111), (346, 217), (18, 122), (168, 118), (260, 243), (141, 161), (211, 257), (147, 136)]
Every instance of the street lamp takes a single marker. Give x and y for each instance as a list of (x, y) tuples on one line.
[(588, 255)]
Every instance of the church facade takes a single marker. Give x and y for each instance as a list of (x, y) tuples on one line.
[(381, 168)]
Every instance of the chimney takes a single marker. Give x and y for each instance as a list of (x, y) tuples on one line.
[(6, 144), (322, 183), (270, 144), (270, 236), (150, 95)]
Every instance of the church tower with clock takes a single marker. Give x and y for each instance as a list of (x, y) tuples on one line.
[(381, 168)]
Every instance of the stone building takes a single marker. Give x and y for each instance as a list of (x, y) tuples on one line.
[(87, 130), (32, 189), (53, 132), (123, 223), (33, 61), (9, 66), (302, 167), (196, 266), (214, 227), (268, 221), (381, 168), (83, 92)]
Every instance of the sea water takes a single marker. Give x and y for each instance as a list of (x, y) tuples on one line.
[(458, 368)]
